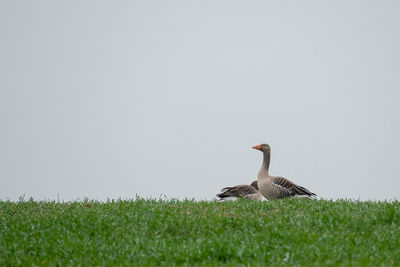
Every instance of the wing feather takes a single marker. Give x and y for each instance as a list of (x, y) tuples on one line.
[(237, 191), (285, 188)]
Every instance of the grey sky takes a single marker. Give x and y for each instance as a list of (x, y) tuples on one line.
[(113, 99)]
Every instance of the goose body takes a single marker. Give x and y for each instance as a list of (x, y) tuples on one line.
[(276, 187), (246, 191)]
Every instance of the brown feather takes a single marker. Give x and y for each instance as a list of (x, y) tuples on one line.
[(238, 191), (288, 188)]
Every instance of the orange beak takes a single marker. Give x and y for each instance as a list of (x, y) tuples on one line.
[(257, 147)]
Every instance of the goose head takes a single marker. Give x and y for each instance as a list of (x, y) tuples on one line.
[(263, 147)]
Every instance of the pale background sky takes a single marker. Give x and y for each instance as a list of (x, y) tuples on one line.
[(109, 99)]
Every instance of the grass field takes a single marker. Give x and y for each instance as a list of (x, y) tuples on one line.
[(148, 232)]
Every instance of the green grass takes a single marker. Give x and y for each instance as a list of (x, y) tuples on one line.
[(148, 232)]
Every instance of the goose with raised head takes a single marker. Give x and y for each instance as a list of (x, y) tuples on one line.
[(246, 191), (275, 187)]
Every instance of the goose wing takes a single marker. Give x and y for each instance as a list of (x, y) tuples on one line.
[(285, 188), (237, 191)]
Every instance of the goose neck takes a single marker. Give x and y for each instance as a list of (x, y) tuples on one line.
[(265, 164)]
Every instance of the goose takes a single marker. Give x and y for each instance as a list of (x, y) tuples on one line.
[(243, 190), (275, 187)]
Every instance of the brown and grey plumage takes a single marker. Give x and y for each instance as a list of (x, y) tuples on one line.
[(243, 190), (275, 187)]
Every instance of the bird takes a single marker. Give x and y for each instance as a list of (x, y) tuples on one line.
[(238, 191), (276, 187)]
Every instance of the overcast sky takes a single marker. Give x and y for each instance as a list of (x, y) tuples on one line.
[(123, 98)]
